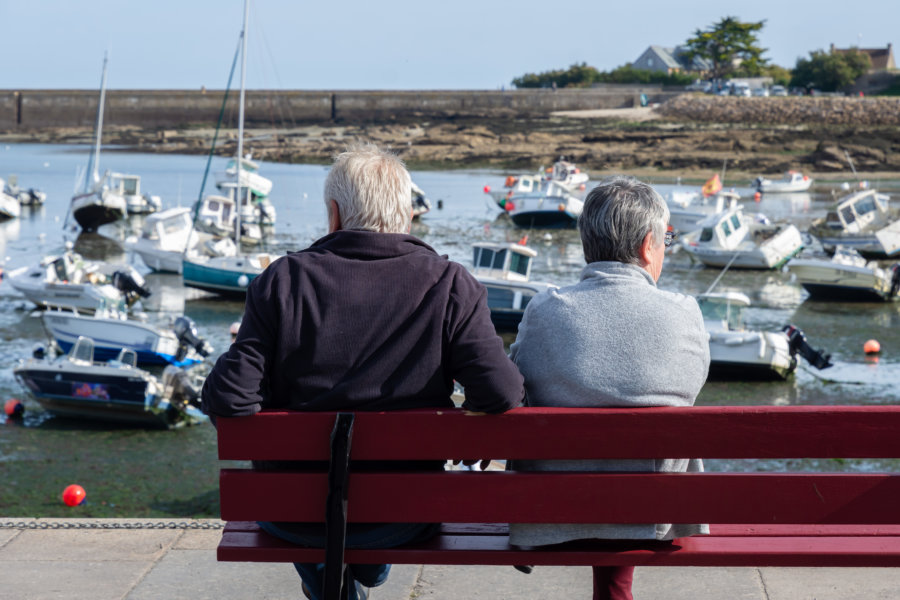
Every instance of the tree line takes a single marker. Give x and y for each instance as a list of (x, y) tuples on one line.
[(731, 48)]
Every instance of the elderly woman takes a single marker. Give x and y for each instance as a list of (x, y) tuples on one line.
[(613, 339)]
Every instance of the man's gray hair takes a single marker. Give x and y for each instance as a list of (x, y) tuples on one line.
[(617, 215), (372, 189)]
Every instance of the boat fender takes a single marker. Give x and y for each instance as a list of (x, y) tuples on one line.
[(895, 279), (798, 345)]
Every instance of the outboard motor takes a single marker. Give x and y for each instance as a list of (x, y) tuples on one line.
[(895, 279), (180, 389), (798, 345), (131, 284), (186, 332)]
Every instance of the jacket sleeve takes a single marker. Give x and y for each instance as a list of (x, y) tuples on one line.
[(236, 385), (492, 382)]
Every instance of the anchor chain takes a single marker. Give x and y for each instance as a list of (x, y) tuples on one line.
[(103, 524)]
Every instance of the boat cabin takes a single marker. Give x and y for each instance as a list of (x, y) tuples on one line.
[(125, 185), (217, 212), (723, 311), (511, 262), (725, 230), (858, 211), (171, 228)]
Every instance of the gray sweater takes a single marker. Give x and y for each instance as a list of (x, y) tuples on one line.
[(613, 339)]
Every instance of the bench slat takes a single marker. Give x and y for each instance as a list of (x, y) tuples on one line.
[(492, 549), (708, 432), (766, 498)]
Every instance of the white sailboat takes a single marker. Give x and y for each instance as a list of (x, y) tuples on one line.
[(97, 204), (229, 275)]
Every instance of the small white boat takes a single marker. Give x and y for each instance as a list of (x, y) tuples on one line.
[(166, 236), (68, 281), (112, 330), (846, 277), (420, 203), (76, 386), (129, 188), (217, 216), (732, 239), (563, 173), (792, 181), (26, 197), (505, 270), (863, 221), (255, 210), (551, 207), (249, 178), (687, 209), (10, 208), (738, 353)]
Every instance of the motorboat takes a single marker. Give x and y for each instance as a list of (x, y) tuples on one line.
[(687, 209), (67, 280), (733, 239), (791, 181), (25, 196), (255, 210), (862, 221), (75, 385), (505, 271), (847, 277), (420, 202), (10, 208), (129, 188), (166, 236), (249, 177), (97, 204), (563, 174), (738, 353), (112, 330), (550, 207), (217, 215)]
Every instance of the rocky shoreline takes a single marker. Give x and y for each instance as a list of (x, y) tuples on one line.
[(688, 136)]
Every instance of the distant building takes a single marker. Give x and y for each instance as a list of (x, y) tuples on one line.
[(670, 60), (882, 58)]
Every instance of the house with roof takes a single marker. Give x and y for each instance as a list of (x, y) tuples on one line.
[(882, 59), (670, 60)]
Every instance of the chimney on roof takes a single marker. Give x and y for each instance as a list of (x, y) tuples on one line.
[(832, 47)]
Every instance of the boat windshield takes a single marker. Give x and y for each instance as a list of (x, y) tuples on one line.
[(499, 297), (714, 310), (865, 206), (706, 235), (519, 264)]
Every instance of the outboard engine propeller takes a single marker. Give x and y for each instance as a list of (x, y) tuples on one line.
[(895, 279), (186, 332), (180, 389), (131, 284), (798, 344)]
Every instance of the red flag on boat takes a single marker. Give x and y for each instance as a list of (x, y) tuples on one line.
[(712, 186), (523, 241)]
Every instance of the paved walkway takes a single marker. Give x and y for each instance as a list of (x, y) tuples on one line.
[(154, 563)]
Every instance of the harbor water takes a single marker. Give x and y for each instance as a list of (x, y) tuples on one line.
[(130, 472)]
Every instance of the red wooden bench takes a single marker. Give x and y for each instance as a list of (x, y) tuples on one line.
[(786, 519)]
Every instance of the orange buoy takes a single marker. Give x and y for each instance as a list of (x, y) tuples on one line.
[(73, 495), (757, 197), (871, 347), (13, 408)]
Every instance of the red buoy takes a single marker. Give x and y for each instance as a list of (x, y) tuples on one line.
[(871, 347), (14, 408), (73, 495)]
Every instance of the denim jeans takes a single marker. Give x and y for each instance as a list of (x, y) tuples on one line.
[(385, 535)]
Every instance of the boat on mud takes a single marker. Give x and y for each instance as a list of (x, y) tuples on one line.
[(862, 221), (846, 277), (791, 181)]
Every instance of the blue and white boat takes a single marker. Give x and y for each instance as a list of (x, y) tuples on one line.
[(113, 330), (229, 275)]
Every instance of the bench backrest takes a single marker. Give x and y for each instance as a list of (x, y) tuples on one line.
[(756, 432)]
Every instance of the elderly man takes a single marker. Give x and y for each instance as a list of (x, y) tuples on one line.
[(367, 318), (613, 339)]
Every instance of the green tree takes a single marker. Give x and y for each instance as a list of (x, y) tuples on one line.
[(578, 75), (729, 44), (779, 75), (829, 71)]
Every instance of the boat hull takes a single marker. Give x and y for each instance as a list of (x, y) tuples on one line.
[(544, 219), (90, 212), (826, 280), (230, 281)]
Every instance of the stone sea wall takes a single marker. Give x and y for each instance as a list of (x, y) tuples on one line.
[(40, 109), (799, 110)]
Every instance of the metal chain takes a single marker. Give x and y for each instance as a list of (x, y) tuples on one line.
[(91, 524)]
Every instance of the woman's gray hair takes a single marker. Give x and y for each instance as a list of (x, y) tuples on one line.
[(617, 215), (372, 189)]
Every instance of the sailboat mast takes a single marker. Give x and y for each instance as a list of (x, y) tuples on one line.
[(240, 144), (91, 175)]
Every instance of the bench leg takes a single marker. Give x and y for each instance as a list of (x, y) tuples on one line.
[(337, 577)]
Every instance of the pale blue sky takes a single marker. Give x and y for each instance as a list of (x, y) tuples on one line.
[(391, 44)]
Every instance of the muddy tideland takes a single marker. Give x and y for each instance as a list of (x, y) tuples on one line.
[(689, 136)]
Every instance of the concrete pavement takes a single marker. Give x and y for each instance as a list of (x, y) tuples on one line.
[(162, 559)]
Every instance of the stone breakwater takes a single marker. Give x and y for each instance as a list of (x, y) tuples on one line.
[(854, 111)]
